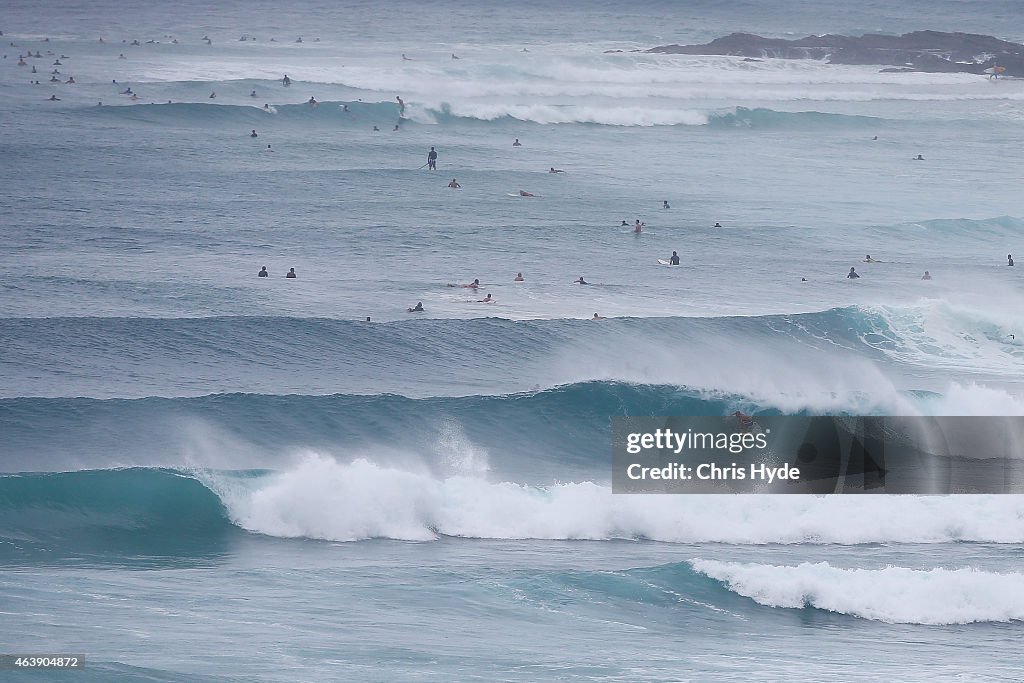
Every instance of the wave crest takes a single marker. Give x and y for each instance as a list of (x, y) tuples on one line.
[(895, 595)]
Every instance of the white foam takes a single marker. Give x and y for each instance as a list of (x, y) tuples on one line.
[(940, 334), (346, 501), (608, 115), (893, 594)]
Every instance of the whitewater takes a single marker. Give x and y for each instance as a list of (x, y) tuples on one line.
[(207, 475)]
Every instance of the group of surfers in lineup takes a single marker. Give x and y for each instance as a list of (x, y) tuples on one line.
[(672, 261), (854, 275), (488, 299)]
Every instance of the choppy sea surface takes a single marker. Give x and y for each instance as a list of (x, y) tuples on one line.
[(210, 476)]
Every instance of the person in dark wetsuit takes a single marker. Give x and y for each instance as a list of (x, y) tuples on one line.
[(291, 273), (581, 281), (253, 134), (674, 260), (418, 308), (263, 272), (746, 421), (432, 160), (852, 275), (1009, 259)]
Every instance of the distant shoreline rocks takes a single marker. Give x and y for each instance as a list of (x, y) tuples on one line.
[(926, 51)]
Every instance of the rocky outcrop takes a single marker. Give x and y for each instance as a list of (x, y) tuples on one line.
[(931, 51)]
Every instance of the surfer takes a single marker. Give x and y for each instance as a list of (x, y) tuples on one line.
[(852, 275), (454, 184), (401, 105), (519, 278), (581, 281), (269, 149), (746, 421), (432, 161), (376, 129), (263, 272), (253, 134), (926, 276), (472, 285), (395, 128), (625, 224), (664, 204), (1009, 260), (418, 308), (266, 107), (213, 95), (555, 170), (345, 108), (598, 317), (286, 81), (54, 98), (638, 227), (918, 158), (405, 59), (312, 102), (674, 260), (486, 300), (868, 259), (524, 193), (517, 143), (291, 273), (717, 225), (453, 56)]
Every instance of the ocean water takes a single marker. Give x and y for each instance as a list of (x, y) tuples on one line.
[(209, 476)]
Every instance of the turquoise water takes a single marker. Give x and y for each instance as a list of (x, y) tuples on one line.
[(212, 476)]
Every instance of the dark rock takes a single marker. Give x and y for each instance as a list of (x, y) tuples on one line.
[(930, 51)]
